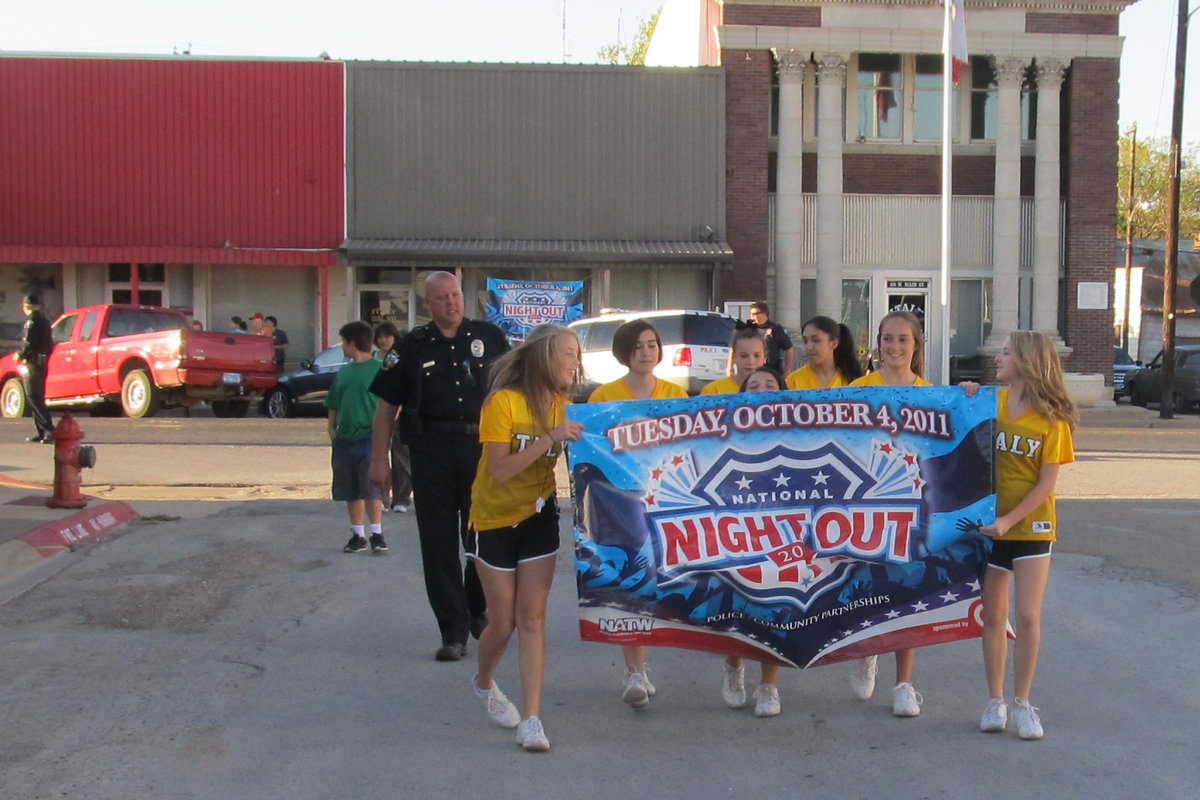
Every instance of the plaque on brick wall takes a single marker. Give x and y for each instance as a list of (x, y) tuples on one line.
[(1092, 296)]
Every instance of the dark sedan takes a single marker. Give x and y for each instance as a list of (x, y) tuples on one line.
[(1145, 385), (303, 391)]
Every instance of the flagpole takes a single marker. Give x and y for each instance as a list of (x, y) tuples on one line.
[(944, 288)]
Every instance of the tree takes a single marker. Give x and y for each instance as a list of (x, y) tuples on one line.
[(1150, 189), (635, 52)]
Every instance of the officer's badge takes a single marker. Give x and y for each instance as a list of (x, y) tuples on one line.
[(477, 348)]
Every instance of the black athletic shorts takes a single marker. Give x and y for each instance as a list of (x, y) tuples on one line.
[(530, 539), (1004, 553)]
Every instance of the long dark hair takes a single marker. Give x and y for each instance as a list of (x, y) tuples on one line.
[(845, 355)]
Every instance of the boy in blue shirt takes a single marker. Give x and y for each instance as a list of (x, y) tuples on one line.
[(351, 414)]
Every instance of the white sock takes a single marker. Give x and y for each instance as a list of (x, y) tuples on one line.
[(357, 530), (376, 527)]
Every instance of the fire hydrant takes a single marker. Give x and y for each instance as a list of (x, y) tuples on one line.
[(69, 459)]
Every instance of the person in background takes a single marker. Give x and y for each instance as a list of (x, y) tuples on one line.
[(748, 352), (514, 515), (830, 353), (780, 350), (901, 343), (351, 415), (638, 347), (239, 324), (37, 342), (256, 324), (387, 336), (271, 328), (438, 385)]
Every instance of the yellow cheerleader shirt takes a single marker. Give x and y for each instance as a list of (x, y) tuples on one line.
[(722, 386), (617, 390), (506, 418), (1023, 445), (805, 378)]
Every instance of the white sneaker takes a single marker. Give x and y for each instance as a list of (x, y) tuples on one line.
[(995, 716), (499, 707), (766, 700), (400, 508), (862, 677), (531, 736), (637, 690), (905, 701), (733, 687), (1028, 724)]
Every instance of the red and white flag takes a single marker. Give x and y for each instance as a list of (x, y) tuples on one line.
[(958, 35)]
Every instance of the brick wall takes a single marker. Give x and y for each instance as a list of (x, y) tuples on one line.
[(1094, 24), (802, 17), (920, 174), (747, 116), (1089, 114)]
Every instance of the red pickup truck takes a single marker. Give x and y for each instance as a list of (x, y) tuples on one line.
[(140, 358)]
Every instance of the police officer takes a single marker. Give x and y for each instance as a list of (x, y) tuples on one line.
[(439, 382), (38, 342)]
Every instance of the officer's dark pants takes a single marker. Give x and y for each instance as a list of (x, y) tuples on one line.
[(35, 396), (443, 469)]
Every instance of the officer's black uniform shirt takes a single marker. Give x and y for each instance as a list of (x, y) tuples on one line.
[(38, 338), (442, 379)]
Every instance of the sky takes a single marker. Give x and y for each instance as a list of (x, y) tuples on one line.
[(530, 31)]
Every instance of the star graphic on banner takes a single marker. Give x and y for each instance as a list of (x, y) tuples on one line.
[(866, 623), (919, 606), (893, 614), (782, 480), (676, 461), (918, 483), (804, 584), (656, 474), (885, 448), (949, 597), (744, 483), (820, 479), (973, 585), (847, 633), (910, 459), (649, 499)]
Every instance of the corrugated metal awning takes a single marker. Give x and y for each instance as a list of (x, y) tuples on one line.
[(536, 250), (167, 254)]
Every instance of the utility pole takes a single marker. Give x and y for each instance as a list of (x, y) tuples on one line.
[(1166, 405), (1129, 238)]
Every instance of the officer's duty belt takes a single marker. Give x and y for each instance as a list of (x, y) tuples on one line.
[(453, 427)]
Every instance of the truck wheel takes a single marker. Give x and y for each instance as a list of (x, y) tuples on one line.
[(230, 408), (1135, 396), (12, 399), (278, 405), (139, 395)]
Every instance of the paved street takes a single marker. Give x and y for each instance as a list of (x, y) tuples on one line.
[(227, 648)]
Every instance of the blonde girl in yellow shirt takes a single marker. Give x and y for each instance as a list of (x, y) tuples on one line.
[(830, 355), (749, 353), (901, 345), (1035, 418), (636, 345), (514, 519)]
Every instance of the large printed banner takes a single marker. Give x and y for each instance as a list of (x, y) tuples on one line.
[(517, 307), (797, 527)]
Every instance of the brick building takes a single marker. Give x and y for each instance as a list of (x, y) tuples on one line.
[(833, 127)]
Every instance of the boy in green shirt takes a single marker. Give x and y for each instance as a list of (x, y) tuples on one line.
[(351, 414)]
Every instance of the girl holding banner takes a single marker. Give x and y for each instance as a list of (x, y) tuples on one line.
[(638, 347), (829, 351), (514, 517), (1036, 417), (901, 344)]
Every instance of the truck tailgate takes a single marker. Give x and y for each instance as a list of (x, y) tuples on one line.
[(229, 352)]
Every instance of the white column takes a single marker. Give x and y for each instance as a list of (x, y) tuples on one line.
[(831, 76), (1006, 215), (1046, 206), (789, 206)]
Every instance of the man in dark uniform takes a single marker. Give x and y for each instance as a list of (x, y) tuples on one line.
[(36, 345), (439, 382)]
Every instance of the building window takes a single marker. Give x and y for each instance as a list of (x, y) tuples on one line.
[(879, 92), (984, 111), (927, 100), (151, 284), (971, 324)]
